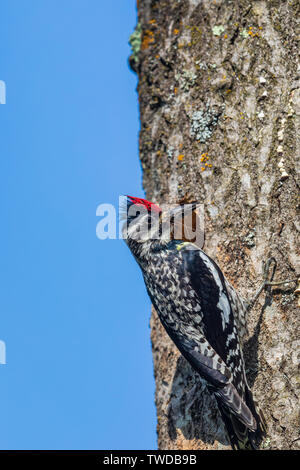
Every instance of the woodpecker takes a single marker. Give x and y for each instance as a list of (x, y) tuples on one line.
[(201, 312)]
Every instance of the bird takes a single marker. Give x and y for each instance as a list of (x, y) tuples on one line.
[(200, 310)]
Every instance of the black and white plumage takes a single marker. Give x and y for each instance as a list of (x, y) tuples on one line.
[(203, 315)]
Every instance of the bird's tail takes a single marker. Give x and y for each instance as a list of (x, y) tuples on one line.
[(241, 436)]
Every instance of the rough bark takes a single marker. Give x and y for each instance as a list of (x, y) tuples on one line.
[(219, 93)]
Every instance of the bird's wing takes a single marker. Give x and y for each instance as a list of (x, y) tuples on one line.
[(218, 320), (211, 347), (211, 367)]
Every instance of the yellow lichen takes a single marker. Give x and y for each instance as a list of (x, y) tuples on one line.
[(252, 33), (204, 158), (148, 38)]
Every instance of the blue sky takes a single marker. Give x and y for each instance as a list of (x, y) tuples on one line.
[(74, 313)]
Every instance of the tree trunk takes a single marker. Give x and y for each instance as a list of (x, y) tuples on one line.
[(219, 93)]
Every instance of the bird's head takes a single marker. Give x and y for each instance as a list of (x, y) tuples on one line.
[(147, 224), (142, 219)]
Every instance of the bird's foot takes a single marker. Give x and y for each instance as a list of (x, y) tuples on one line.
[(268, 268)]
